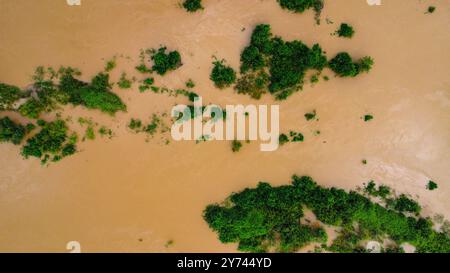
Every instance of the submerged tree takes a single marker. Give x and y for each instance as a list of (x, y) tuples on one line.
[(192, 5), (345, 30), (164, 62), (222, 75)]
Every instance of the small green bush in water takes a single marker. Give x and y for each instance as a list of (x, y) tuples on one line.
[(51, 142), (222, 75), (236, 146), (345, 31), (192, 5), (8, 96), (164, 62), (96, 95), (11, 131), (344, 66), (432, 186)]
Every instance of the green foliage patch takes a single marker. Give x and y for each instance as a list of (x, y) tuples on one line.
[(192, 5), (11, 131), (50, 143), (222, 75), (267, 218)]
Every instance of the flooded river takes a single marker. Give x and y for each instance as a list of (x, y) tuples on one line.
[(129, 194)]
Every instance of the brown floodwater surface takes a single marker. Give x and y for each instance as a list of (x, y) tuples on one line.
[(129, 194)]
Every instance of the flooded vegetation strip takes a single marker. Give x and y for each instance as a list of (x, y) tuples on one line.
[(269, 218)]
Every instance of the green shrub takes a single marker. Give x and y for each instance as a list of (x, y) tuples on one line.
[(190, 84), (164, 62), (192, 5), (8, 96), (432, 186), (253, 84), (236, 146), (365, 64), (345, 30), (124, 83), (405, 204), (300, 5), (283, 139), (343, 65), (251, 59), (222, 75), (261, 38), (32, 108), (50, 141), (11, 131), (95, 95), (368, 118), (310, 116)]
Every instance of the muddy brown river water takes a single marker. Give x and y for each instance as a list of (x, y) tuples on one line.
[(126, 194)]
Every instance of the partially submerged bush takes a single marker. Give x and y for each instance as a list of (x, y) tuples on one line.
[(164, 62), (253, 84), (32, 108), (344, 66), (301, 5), (236, 146), (52, 142), (8, 96), (345, 30), (222, 75), (96, 95), (192, 5), (11, 131), (432, 185)]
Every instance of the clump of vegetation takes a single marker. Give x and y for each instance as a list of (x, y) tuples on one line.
[(135, 125), (124, 82), (382, 191), (283, 139), (164, 62), (293, 137), (51, 142), (279, 67), (156, 123), (267, 218), (296, 137), (236, 146), (222, 75), (311, 115), (8, 96), (364, 161), (110, 65), (345, 30), (192, 5), (190, 84), (32, 108), (431, 9), (253, 84), (300, 6), (11, 131), (96, 95), (368, 118), (432, 185), (344, 66)]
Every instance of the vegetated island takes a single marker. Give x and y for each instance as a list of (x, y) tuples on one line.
[(272, 65), (269, 218)]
